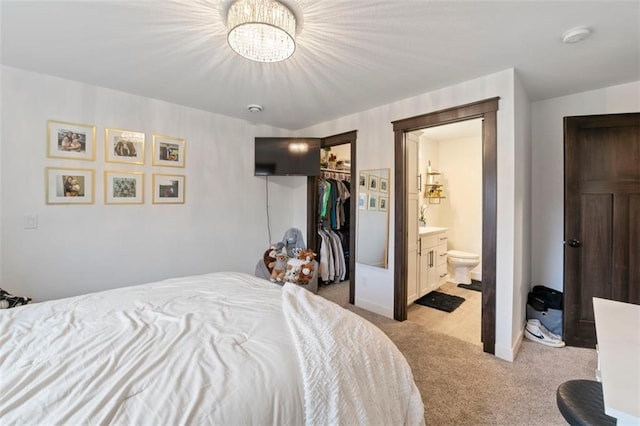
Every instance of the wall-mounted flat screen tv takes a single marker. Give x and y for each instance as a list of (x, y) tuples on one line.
[(287, 157)]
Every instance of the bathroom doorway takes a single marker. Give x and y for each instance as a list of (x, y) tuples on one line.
[(487, 111), (448, 168)]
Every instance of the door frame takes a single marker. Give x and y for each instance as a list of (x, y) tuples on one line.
[(312, 205), (487, 110)]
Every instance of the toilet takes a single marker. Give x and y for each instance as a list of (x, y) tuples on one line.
[(460, 264)]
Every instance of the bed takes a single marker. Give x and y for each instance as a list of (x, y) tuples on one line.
[(221, 348)]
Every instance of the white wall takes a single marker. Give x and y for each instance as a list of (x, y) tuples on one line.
[(522, 196), (547, 174), (83, 248), (374, 286), (460, 162)]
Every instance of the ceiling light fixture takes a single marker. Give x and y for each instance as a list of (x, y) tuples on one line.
[(254, 108), (261, 30)]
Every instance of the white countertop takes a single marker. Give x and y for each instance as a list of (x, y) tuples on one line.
[(618, 333), (425, 230)]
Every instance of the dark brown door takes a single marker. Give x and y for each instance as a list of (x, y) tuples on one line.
[(602, 218)]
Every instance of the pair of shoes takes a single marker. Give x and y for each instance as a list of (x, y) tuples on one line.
[(537, 332)]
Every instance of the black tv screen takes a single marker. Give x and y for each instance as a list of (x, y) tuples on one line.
[(287, 157)]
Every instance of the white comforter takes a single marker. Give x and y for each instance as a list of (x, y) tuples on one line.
[(210, 349)]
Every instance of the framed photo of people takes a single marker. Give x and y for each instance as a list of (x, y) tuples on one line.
[(363, 181), (123, 146), (362, 200), (373, 202), (383, 203), (72, 141), (384, 185), (69, 185), (168, 189), (168, 151), (123, 187), (374, 183)]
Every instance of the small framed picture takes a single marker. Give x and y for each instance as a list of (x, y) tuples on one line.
[(384, 185), (363, 181), (383, 204), (69, 186), (123, 146), (71, 140), (168, 151), (168, 189), (374, 183), (373, 202), (362, 200), (123, 187)]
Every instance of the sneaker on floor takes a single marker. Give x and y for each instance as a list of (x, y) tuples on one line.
[(537, 323), (539, 333)]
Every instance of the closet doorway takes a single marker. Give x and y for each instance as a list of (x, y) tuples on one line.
[(313, 204), (486, 110)]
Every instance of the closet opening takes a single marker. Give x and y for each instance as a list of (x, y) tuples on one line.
[(335, 222)]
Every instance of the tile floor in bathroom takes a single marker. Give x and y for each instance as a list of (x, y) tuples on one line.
[(463, 323)]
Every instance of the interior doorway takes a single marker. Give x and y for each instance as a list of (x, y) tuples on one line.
[(448, 172), (487, 111), (312, 204)]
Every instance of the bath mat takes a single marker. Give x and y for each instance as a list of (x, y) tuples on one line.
[(475, 285), (441, 301)]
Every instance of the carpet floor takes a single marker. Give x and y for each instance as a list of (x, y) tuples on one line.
[(461, 385)]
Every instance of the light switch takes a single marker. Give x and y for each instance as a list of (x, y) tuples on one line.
[(30, 221)]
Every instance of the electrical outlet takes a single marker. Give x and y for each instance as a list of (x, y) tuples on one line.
[(30, 221)]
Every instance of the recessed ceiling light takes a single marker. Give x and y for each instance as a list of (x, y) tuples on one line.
[(254, 108), (575, 35)]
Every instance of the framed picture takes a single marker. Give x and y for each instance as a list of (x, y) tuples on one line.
[(373, 202), (69, 186), (71, 140), (374, 183), (168, 189), (168, 151), (384, 185), (123, 187), (362, 200), (363, 181), (123, 146), (383, 204)]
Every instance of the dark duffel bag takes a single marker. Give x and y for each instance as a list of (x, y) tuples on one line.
[(551, 298)]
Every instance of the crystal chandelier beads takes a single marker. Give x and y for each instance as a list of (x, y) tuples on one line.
[(261, 30)]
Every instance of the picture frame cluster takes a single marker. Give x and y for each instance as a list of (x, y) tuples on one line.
[(75, 141), (373, 192)]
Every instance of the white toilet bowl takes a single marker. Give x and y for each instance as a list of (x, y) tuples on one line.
[(460, 264)]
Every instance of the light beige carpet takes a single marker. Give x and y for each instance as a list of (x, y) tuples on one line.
[(461, 385)]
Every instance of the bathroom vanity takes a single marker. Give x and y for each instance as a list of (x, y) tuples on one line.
[(431, 263)]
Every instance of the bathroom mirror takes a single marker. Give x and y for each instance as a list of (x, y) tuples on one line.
[(374, 189)]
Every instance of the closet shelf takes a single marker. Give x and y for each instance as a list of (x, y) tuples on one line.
[(323, 169)]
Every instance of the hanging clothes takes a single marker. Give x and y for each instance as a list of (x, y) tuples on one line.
[(333, 227)]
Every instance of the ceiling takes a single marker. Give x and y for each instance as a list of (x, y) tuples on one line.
[(351, 55)]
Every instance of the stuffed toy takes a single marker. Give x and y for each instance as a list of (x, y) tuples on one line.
[(293, 242), (306, 273), (269, 256), (307, 255), (293, 270), (277, 274)]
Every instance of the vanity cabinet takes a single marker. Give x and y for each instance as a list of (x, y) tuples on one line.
[(430, 262), (441, 251)]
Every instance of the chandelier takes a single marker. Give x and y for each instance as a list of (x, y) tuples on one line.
[(261, 30)]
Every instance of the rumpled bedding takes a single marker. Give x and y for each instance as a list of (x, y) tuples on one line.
[(353, 374), (219, 348)]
